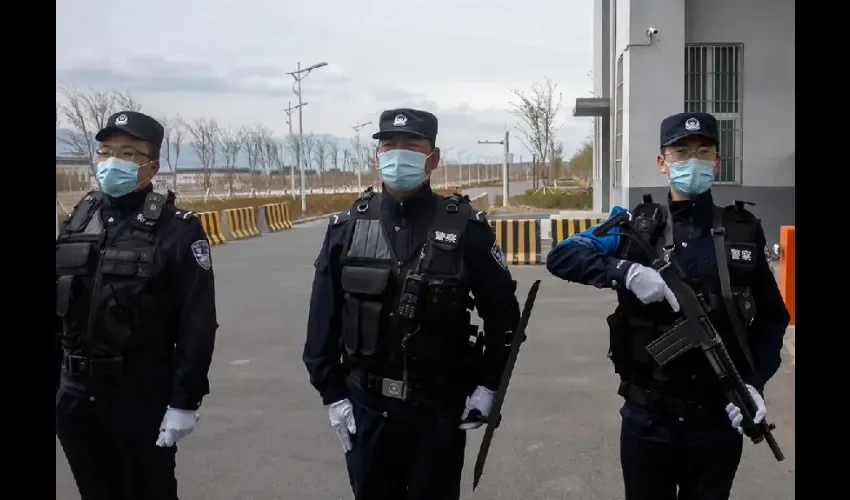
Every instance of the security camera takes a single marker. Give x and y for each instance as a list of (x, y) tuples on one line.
[(651, 31)]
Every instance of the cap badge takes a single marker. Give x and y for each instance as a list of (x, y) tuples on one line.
[(692, 125), (399, 121), (121, 120)]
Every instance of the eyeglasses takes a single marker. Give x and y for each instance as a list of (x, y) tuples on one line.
[(684, 154), (127, 154)]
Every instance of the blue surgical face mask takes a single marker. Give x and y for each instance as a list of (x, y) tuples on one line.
[(117, 177), (401, 169), (692, 177)]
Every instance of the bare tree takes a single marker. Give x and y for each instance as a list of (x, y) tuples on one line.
[(333, 156), (231, 142), (291, 145), (276, 154), (537, 110), (257, 137), (205, 136), (172, 141), (86, 113), (125, 102), (320, 154), (247, 135), (556, 157), (309, 144)]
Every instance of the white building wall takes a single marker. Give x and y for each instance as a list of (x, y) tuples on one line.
[(653, 88), (766, 28), (655, 83)]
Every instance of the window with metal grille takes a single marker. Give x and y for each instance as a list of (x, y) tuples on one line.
[(618, 127), (713, 84)]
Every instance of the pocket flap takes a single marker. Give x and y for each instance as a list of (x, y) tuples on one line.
[(73, 254), (364, 280)]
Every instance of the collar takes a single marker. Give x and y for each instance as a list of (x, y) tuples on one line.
[(130, 202), (699, 209), (416, 203)]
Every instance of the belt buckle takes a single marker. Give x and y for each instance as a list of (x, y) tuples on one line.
[(392, 388)]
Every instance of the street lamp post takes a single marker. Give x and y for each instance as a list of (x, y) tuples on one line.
[(460, 156), (359, 154), (289, 109), (445, 168), (505, 172), (299, 75)]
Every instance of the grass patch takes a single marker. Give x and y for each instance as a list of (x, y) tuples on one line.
[(563, 201), (317, 204)]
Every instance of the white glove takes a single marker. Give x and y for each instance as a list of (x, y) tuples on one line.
[(734, 413), (481, 400), (341, 414), (649, 286), (176, 424)]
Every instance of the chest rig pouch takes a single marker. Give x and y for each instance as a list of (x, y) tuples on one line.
[(389, 305), (107, 294), (445, 332), (367, 277)]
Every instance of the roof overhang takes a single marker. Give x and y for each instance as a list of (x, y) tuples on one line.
[(591, 106)]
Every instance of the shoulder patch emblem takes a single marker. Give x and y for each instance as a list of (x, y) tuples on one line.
[(201, 251), (498, 256)]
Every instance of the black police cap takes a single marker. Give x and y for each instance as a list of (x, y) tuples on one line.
[(138, 125), (407, 121), (676, 127)]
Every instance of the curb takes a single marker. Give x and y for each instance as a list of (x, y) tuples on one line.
[(311, 218)]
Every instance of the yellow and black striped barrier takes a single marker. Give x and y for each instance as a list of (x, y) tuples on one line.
[(242, 222), (519, 240), (564, 228), (211, 221), (277, 216)]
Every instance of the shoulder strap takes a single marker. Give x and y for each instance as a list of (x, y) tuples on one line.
[(367, 206), (718, 231)]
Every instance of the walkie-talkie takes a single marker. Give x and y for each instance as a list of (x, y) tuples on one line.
[(413, 292)]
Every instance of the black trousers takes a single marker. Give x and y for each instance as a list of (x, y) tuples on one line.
[(403, 451), (108, 432), (660, 453)]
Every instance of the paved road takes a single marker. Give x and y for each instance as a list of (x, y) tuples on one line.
[(264, 434)]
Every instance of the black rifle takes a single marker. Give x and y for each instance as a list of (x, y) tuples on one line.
[(495, 417), (695, 330)]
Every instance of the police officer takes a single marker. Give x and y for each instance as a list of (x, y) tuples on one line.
[(389, 343), (135, 299), (676, 430)]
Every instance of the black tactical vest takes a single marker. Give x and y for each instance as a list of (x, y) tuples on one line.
[(374, 337), (634, 325), (110, 292)]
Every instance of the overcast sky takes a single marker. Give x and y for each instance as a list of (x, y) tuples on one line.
[(227, 59)]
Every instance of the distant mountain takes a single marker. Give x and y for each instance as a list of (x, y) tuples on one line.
[(188, 157)]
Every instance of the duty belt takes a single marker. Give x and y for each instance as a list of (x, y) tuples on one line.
[(377, 384), (665, 404), (93, 367)]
